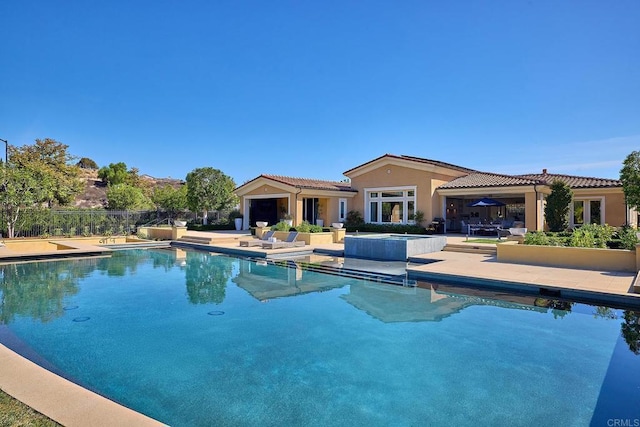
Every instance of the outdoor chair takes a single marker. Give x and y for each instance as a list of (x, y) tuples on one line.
[(469, 229), (289, 242), (257, 242)]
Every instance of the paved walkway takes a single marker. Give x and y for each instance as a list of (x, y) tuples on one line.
[(470, 266)]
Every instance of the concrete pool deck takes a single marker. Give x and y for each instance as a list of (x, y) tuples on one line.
[(72, 405)]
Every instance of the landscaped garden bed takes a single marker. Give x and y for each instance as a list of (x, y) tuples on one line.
[(588, 247)]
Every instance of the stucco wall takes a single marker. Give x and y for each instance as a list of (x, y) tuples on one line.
[(531, 213), (584, 258), (397, 176), (614, 205)]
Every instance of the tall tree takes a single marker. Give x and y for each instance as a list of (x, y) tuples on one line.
[(556, 211), (171, 199), (87, 163), (118, 173), (630, 177), (114, 174), (51, 164), (125, 197), (20, 189), (209, 189)]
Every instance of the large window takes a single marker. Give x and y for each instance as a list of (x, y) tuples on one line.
[(587, 211), (390, 205)]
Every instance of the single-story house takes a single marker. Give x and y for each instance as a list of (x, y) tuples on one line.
[(392, 188)]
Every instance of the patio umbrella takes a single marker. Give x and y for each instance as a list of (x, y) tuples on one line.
[(486, 202)]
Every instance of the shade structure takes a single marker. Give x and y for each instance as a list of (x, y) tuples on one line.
[(485, 202)]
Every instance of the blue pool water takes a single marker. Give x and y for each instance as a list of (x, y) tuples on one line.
[(195, 339)]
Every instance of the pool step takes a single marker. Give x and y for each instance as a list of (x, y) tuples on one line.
[(392, 279), (471, 249), (205, 240)]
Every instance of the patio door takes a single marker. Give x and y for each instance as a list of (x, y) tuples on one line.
[(310, 210)]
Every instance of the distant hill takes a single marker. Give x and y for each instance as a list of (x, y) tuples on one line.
[(95, 191)]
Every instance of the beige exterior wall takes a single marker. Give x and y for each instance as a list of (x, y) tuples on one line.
[(614, 208), (533, 211), (427, 200), (291, 200), (584, 258)]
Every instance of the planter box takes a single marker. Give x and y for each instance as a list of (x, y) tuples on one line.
[(557, 256)]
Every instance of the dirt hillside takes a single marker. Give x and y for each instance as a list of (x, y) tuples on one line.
[(95, 191)]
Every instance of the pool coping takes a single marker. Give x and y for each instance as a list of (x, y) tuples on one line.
[(60, 399), (543, 290)]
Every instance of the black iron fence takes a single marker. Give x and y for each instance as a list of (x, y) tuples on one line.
[(69, 223)]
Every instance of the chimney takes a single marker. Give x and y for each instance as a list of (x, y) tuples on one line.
[(544, 171)]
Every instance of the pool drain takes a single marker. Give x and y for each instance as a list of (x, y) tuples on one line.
[(215, 313), (81, 319)]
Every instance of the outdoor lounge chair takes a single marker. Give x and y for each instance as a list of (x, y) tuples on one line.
[(257, 242), (289, 242)]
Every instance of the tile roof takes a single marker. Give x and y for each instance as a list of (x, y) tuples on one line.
[(574, 181), (416, 159), (316, 184), (485, 179)]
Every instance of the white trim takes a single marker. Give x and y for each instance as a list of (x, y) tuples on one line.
[(586, 212), (404, 199), (246, 202)]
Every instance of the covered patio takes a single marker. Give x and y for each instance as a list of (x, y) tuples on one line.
[(484, 198)]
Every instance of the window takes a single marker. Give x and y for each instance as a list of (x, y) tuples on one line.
[(373, 210), (578, 212), (594, 212), (390, 205), (342, 210), (587, 211)]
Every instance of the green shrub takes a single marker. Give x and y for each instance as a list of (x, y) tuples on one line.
[(315, 229), (304, 227), (628, 237), (388, 228), (234, 214), (539, 238), (281, 226), (210, 227), (592, 236), (354, 219), (418, 217), (556, 210)]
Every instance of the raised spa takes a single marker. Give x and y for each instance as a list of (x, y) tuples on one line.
[(391, 247)]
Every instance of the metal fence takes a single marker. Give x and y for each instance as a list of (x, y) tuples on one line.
[(68, 223)]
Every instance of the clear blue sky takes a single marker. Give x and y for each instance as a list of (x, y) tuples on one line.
[(314, 88)]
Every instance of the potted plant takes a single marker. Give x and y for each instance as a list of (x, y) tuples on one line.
[(288, 219), (236, 217), (320, 221)]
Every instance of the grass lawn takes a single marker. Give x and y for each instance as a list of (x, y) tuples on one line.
[(491, 241), (14, 413)]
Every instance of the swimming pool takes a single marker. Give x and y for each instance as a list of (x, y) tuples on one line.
[(192, 338)]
